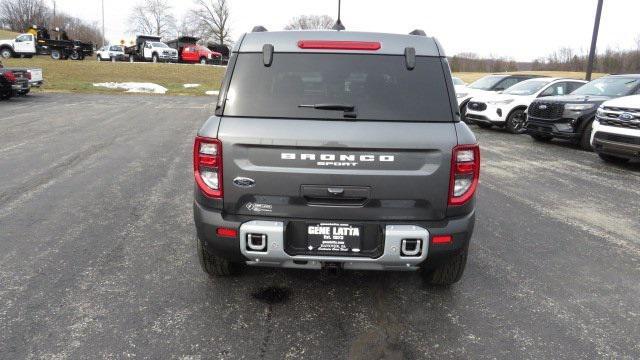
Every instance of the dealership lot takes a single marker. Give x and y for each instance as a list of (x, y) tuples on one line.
[(97, 254)]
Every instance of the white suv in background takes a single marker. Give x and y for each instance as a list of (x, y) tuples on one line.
[(110, 53), (508, 108), (616, 131)]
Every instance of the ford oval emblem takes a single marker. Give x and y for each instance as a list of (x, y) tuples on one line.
[(625, 116), (244, 182)]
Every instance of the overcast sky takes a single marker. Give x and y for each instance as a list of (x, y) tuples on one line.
[(520, 29)]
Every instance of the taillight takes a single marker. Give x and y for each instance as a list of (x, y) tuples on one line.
[(465, 173), (207, 166), (10, 76)]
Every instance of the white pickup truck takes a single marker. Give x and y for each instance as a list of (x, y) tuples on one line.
[(150, 48), (22, 45)]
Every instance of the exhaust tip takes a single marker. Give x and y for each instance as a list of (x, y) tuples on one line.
[(411, 247), (257, 242)]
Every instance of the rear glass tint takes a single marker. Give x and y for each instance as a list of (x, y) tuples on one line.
[(379, 87)]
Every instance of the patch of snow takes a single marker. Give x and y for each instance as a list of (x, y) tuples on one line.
[(134, 87), (213, 92), (188, 86)]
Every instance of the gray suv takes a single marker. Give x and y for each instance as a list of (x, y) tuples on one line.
[(336, 150)]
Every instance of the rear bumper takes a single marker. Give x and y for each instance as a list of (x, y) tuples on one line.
[(23, 86), (235, 249)]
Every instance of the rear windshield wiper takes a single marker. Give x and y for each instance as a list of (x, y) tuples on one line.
[(349, 110)]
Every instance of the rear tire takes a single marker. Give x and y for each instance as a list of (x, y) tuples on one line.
[(613, 159), (56, 55), (216, 266), (515, 121), (541, 138), (449, 272), (132, 59), (6, 53), (203, 61), (98, 58)]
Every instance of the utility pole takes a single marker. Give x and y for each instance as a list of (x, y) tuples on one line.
[(103, 36), (338, 25), (594, 40), (53, 19)]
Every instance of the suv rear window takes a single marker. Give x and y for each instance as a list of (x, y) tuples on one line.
[(379, 87)]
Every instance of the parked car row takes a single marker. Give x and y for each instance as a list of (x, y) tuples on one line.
[(18, 81), (149, 48), (601, 115)]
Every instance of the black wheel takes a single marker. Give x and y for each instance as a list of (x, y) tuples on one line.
[(613, 159), (484, 125), (74, 55), (449, 272), (6, 53), (154, 58), (585, 139), (56, 55), (541, 138), (113, 59), (214, 265), (203, 61), (132, 59), (98, 58), (515, 121)]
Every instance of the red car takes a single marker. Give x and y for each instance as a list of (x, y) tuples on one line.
[(189, 52)]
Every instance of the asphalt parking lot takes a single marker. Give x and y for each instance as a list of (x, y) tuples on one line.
[(97, 254)]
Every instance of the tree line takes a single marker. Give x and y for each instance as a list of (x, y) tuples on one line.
[(611, 61), (20, 15)]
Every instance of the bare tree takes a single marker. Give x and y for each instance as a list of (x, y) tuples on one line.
[(19, 15), (212, 17), (153, 17), (78, 29), (310, 22)]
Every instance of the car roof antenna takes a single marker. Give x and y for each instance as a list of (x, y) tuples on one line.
[(338, 25)]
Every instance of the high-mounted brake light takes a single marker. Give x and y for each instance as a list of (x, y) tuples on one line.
[(465, 173), (339, 45), (207, 166)]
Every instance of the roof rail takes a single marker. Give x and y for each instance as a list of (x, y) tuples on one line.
[(259, 28), (418, 32)]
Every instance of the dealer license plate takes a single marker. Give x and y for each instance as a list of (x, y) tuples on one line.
[(334, 237)]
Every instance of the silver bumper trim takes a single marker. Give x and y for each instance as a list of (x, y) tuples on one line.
[(391, 259)]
